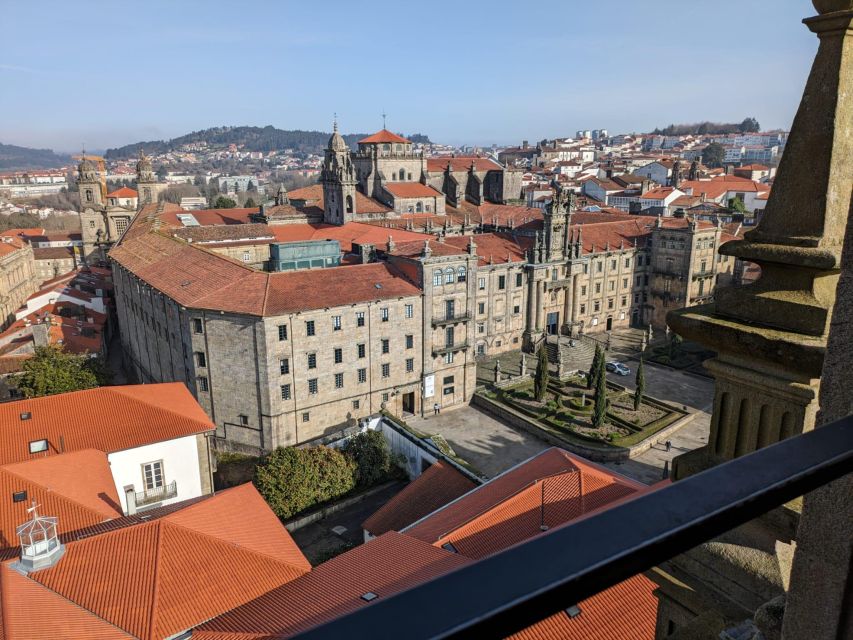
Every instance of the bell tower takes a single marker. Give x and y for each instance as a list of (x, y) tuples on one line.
[(146, 181), (339, 183), (557, 218), (93, 224)]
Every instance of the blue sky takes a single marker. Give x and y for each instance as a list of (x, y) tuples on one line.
[(464, 72)]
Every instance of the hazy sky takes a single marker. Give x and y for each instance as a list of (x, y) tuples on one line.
[(462, 71)]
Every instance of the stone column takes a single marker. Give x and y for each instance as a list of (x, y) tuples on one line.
[(540, 305), (574, 318)]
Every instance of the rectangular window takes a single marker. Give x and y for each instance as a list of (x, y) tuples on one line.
[(152, 475), (448, 391), (309, 327), (448, 380), (385, 397), (613, 264), (436, 278), (312, 360), (383, 314), (518, 278), (610, 303), (410, 341), (306, 417), (361, 350), (200, 359), (448, 337), (359, 318), (362, 375), (202, 384), (624, 283), (198, 325), (481, 307), (356, 404), (627, 262), (285, 392), (583, 290), (599, 266), (410, 310), (598, 287), (448, 357), (312, 386), (37, 446), (596, 307), (449, 309), (624, 301), (336, 323), (386, 345), (583, 309), (481, 283), (284, 366), (282, 332), (481, 327), (611, 286), (339, 381), (410, 365), (501, 282), (516, 309), (339, 355), (386, 370)]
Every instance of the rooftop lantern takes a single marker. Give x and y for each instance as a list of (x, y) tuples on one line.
[(40, 545)]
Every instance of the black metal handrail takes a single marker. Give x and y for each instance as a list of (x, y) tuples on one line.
[(500, 595)]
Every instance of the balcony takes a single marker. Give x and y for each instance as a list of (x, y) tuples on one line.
[(617, 543), (563, 283), (707, 273), (157, 494), (440, 351), (455, 318)]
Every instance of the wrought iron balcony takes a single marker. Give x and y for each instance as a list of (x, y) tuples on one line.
[(157, 494), (459, 346), (479, 601), (458, 317), (707, 273)]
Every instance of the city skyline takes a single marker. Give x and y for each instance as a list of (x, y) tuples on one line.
[(515, 73)]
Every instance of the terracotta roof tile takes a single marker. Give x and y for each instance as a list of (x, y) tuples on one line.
[(123, 192), (434, 488), (106, 418), (383, 136), (313, 196), (411, 190)]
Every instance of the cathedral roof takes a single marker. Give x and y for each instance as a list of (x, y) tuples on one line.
[(383, 136)]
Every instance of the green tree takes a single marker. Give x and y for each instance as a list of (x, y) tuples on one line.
[(51, 370), (249, 204), (372, 458), (749, 125), (292, 480), (540, 381), (597, 359), (600, 408), (713, 155), (736, 204), (223, 202), (640, 386)]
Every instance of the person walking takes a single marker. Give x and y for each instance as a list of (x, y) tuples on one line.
[(668, 445), (435, 409)]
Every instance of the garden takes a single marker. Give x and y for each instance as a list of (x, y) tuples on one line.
[(679, 354), (587, 409)]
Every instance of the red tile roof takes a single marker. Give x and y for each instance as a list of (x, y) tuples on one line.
[(383, 136), (123, 192), (159, 578), (346, 234), (106, 418), (313, 197), (462, 163), (386, 565), (411, 190), (434, 488), (494, 248)]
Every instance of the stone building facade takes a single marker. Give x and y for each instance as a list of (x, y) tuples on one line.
[(18, 277)]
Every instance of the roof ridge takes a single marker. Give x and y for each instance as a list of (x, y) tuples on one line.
[(231, 544), (155, 581), (56, 493), (167, 408)]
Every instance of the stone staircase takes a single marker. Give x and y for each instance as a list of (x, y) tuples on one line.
[(573, 358)]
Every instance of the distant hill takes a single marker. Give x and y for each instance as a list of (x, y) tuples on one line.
[(749, 125), (247, 138), (13, 157)]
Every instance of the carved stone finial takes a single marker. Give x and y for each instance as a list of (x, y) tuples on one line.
[(830, 6)]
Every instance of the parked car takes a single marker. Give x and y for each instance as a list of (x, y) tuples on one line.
[(618, 368)]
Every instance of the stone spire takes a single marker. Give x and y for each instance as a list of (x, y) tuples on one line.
[(281, 197)]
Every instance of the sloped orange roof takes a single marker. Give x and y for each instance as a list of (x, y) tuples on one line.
[(411, 190), (313, 197), (383, 136), (106, 418), (14, 233), (494, 248), (157, 579), (386, 565), (123, 192), (434, 488), (30, 611), (346, 234)]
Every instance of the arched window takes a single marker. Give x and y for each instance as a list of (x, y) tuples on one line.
[(462, 274), (436, 278), (398, 147), (419, 207), (88, 195), (349, 204), (449, 275), (402, 174)]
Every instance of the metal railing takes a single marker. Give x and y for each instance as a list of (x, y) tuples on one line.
[(447, 348), (505, 593), (157, 494), (457, 317)]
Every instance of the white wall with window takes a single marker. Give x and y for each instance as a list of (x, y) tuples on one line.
[(153, 467)]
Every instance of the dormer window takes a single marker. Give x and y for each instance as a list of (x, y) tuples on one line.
[(38, 446)]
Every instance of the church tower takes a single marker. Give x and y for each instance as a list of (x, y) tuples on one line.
[(92, 193), (146, 181), (339, 183)]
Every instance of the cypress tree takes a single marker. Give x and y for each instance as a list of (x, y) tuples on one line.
[(641, 386), (540, 382), (597, 359), (600, 409)]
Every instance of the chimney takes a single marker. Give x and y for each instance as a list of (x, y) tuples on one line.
[(130, 499)]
